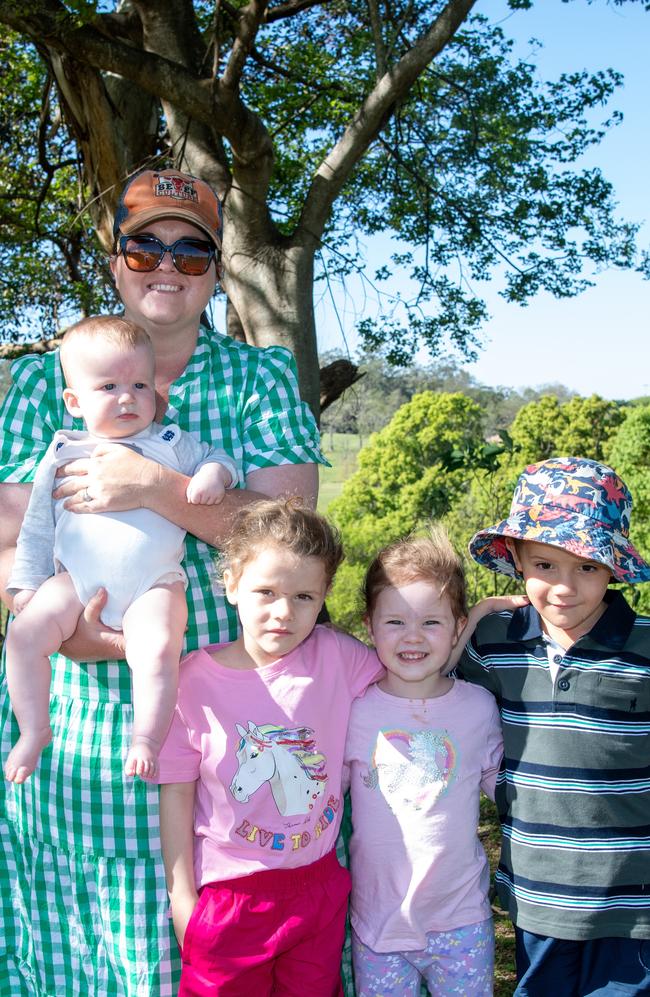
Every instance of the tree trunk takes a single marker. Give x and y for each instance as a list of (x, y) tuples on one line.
[(270, 287)]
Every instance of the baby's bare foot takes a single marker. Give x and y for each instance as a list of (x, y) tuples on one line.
[(23, 757), (142, 758)]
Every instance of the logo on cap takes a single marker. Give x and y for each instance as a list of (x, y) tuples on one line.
[(178, 187)]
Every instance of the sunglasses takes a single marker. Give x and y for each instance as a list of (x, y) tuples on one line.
[(144, 253)]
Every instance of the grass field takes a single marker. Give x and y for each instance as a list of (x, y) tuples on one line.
[(341, 450)]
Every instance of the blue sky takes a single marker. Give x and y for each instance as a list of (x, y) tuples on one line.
[(599, 341)]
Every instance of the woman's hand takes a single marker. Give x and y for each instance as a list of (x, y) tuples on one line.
[(92, 641), (114, 479)]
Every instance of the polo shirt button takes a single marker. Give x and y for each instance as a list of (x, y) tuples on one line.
[(564, 684), (557, 659)]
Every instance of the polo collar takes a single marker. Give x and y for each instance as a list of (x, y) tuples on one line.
[(612, 630)]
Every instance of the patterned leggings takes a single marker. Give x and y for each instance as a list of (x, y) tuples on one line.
[(454, 962)]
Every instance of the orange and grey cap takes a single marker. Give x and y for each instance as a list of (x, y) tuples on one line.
[(155, 194)]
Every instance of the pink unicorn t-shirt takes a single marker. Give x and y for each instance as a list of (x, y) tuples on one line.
[(266, 746)]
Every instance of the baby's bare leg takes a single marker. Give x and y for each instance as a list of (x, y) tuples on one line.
[(49, 618), (154, 626)]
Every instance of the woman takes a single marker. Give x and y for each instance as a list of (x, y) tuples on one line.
[(83, 905)]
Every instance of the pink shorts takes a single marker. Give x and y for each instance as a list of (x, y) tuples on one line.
[(277, 932)]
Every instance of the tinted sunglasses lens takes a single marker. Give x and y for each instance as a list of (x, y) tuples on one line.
[(192, 258), (142, 254)]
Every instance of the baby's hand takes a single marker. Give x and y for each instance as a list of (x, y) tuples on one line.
[(21, 599), (208, 486)]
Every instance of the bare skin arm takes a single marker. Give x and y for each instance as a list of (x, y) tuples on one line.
[(177, 838), (493, 604), (119, 479)]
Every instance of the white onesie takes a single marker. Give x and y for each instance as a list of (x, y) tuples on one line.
[(124, 552)]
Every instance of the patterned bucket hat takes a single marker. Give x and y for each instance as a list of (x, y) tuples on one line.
[(569, 502)]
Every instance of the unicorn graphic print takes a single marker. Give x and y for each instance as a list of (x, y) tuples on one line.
[(410, 768), (285, 758)]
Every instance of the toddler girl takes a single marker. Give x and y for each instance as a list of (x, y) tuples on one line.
[(421, 746), (252, 767)]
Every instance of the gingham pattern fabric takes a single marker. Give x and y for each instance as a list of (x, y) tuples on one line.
[(83, 904)]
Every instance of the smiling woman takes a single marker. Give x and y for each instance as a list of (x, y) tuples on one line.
[(79, 929)]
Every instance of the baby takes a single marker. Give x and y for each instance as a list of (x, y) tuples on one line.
[(63, 558)]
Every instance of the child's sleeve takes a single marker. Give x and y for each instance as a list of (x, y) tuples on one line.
[(493, 751), (34, 560), (362, 666)]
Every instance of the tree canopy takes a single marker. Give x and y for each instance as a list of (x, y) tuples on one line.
[(432, 462), (316, 121)]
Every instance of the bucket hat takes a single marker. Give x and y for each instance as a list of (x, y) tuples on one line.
[(155, 194), (569, 502)]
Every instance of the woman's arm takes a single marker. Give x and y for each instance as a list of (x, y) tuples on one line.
[(177, 837), (118, 479)]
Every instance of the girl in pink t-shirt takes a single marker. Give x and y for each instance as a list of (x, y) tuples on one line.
[(421, 746), (252, 769)]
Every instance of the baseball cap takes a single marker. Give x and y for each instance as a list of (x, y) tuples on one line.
[(155, 194)]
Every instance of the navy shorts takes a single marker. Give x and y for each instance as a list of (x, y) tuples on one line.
[(602, 967)]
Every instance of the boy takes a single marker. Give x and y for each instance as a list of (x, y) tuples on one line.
[(571, 673), (63, 558)]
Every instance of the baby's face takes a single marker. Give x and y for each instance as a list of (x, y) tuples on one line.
[(566, 590), (112, 389)]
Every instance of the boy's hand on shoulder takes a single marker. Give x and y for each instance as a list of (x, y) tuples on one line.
[(493, 604), (498, 604)]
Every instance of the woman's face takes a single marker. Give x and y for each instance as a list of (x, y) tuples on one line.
[(164, 299)]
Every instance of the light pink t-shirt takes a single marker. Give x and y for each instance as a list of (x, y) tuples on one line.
[(266, 745), (416, 767)]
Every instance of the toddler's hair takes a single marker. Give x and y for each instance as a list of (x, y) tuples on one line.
[(427, 558), (114, 329), (283, 523)]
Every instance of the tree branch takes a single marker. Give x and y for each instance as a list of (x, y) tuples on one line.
[(291, 8), (250, 18), (371, 117)]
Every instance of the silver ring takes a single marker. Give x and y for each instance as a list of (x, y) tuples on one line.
[(87, 497)]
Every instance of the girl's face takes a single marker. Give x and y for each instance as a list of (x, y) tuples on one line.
[(278, 597), (414, 631)]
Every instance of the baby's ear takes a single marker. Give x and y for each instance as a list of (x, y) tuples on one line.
[(368, 625), (71, 402)]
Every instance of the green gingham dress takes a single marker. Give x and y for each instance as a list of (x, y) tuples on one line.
[(83, 904)]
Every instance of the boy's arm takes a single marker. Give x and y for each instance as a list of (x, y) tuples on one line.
[(177, 837), (494, 604)]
